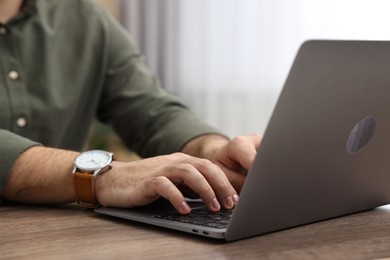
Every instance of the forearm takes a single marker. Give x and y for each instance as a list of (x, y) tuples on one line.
[(41, 175)]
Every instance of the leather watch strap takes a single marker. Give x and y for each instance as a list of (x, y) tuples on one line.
[(85, 189)]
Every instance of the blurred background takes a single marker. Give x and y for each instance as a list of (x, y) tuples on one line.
[(228, 59)]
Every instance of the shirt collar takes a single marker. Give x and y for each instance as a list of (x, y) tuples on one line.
[(26, 10)]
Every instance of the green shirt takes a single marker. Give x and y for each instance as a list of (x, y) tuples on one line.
[(65, 62)]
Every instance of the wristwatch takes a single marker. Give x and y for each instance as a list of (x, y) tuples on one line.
[(87, 166)]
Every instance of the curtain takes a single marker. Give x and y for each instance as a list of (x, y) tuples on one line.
[(228, 59)]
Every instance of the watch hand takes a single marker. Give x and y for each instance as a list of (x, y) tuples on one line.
[(97, 163)]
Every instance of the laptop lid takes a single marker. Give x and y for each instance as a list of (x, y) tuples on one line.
[(325, 150)]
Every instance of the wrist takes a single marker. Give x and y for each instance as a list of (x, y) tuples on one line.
[(103, 193), (87, 168)]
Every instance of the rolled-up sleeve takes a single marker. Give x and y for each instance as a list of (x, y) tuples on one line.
[(11, 147)]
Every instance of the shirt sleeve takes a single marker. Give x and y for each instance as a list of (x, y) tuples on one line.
[(11, 147), (150, 120)]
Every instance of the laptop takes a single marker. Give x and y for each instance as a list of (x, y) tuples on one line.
[(325, 152)]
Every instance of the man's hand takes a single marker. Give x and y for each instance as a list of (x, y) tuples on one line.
[(234, 156), (137, 183)]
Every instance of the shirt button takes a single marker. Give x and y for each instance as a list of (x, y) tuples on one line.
[(13, 75), (21, 122), (3, 30)]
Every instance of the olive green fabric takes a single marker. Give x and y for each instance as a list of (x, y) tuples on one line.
[(64, 63)]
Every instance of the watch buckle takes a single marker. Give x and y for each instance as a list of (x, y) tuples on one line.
[(87, 204)]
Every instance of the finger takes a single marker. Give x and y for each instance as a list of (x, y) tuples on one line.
[(218, 180), (189, 175), (243, 149), (236, 180), (165, 188)]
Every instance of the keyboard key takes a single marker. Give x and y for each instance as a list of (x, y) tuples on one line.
[(201, 216)]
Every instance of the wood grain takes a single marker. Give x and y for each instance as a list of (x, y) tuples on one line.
[(69, 232)]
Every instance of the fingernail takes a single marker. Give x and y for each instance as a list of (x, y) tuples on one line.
[(229, 202), (235, 198), (215, 204), (185, 208)]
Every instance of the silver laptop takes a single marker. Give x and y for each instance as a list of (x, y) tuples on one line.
[(324, 154)]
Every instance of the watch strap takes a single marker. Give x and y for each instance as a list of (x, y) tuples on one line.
[(85, 189)]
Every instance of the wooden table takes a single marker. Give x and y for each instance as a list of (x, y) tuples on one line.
[(69, 232)]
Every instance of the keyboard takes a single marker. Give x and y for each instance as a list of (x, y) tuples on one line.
[(201, 216)]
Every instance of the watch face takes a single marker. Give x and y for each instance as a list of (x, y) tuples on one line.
[(93, 160)]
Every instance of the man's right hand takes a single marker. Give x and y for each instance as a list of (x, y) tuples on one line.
[(137, 183)]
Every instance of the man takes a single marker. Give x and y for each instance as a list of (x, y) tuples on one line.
[(64, 63)]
